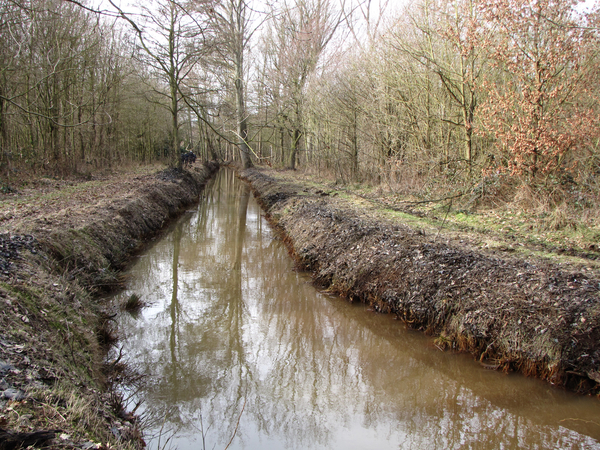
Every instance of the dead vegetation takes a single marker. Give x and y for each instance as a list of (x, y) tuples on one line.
[(558, 215), (59, 248), (512, 311), (133, 303)]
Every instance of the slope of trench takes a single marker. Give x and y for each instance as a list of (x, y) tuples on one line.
[(526, 314), (239, 348)]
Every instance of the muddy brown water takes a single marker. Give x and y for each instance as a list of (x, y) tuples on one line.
[(240, 349)]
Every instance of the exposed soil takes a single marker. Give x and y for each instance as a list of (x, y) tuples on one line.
[(526, 313), (62, 242)]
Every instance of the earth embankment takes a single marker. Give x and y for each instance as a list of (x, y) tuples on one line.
[(61, 244), (526, 314)]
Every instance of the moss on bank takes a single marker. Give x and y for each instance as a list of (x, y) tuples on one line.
[(530, 315), (53, 263)]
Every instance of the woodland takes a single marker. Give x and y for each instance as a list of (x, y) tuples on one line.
[(486, 100), (457, 141)]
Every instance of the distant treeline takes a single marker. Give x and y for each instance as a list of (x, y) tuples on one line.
[(461, 92)]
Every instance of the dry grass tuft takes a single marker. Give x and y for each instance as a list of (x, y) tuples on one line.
[(560, 219), (133, 303), (106, 332)]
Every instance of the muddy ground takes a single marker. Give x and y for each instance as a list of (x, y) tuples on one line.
[(525, 313), (62, 244)]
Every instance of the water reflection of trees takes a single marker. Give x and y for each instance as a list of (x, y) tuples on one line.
[(231, 322)]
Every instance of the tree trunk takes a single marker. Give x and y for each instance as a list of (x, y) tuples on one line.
[(175, 155), (241, 123), (294, 149)]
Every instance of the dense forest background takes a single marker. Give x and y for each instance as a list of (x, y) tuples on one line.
[(486, 98)]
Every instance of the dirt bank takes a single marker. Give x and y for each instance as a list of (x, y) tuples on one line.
[(527, 314), (62, 243)]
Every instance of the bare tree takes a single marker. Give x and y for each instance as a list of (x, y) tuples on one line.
[(233, 22), (445, 42), (300, 33), (173, 37), (55, 85)]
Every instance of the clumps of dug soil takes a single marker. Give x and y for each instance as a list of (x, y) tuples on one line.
[(10, 246), (514, 314)]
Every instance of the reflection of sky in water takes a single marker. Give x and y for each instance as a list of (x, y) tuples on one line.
[(232, 325)]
